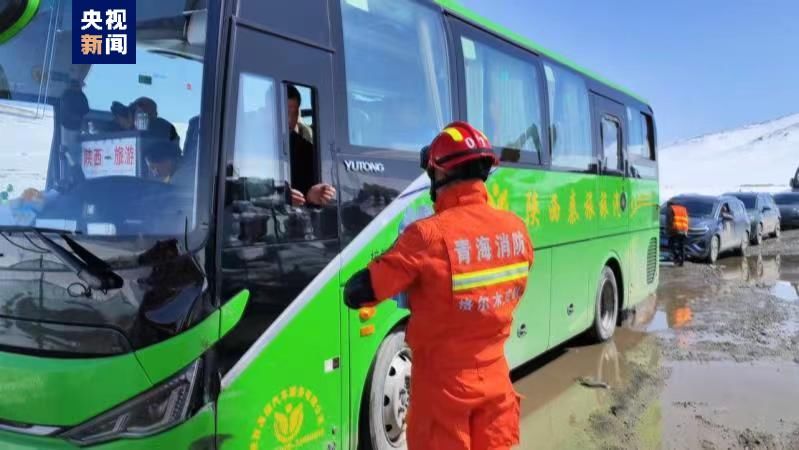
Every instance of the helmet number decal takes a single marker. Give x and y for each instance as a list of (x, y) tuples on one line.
[(470, 142)]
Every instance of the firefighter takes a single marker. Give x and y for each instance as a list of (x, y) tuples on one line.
[(677, 220), (464, 270)]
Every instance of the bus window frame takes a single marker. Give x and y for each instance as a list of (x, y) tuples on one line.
[(340, 94), (464, 29), (593, 168), (621, 146), (649, 140), (602, 106)]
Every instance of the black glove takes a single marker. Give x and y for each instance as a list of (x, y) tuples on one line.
[(358, 291)]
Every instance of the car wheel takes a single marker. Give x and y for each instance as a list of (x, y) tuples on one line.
[(744, 245), (759, 234), (777, 230), (606, 307), (389, 395), (713, 254)]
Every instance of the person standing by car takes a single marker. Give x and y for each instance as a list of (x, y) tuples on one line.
[(677, 224), (465, 270)]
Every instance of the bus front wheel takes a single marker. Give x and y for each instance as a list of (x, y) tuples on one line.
[(388, 395), (606, 307)]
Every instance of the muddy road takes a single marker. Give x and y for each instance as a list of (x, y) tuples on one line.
[(711, 363)]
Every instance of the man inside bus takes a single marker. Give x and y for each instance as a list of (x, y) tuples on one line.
[(161, 156), (305, 185), (156, 126), (123, 117), (162, 159)]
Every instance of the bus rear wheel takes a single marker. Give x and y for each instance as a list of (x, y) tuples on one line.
[(388, 399), (606, 307)]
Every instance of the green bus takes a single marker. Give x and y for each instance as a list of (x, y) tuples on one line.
[(163, 287)]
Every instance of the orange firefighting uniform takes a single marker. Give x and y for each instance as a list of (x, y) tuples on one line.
[(679, 223), (464, 270)]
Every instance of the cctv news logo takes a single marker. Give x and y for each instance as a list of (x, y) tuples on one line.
[(104, 32)]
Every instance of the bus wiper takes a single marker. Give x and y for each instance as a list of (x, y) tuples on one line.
[(93, 271)]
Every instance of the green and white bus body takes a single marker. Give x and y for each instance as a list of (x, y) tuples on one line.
[(205, 312)]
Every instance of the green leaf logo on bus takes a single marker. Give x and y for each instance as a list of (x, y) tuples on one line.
[(286, 418), (15, 15)]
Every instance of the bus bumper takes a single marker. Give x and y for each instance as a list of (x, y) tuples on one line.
[(195, 434)]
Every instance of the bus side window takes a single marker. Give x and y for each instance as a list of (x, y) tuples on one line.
[(640, 145), (570, 119), (256, 174), (503, 99), (397, 75)]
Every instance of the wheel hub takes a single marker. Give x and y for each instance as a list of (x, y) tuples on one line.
[(397, 397), (607, 305)]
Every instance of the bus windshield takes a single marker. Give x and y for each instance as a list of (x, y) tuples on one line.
[(103, 149)]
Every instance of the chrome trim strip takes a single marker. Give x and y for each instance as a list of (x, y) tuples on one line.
[(33, 430)]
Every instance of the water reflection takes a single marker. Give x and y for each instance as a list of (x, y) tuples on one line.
[(557, 410), (778, 273), (784, 291)]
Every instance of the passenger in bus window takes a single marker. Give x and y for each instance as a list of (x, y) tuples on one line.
[(295, 123), (162, 160), (123, 118), (305, 185), (155, 126)]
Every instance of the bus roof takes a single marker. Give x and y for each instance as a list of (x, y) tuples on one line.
[(456, 7)]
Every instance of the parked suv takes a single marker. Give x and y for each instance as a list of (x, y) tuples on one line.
[(763, 215), (716, 225), (788, 203)]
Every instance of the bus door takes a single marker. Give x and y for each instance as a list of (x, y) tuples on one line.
[(281, 377), (613, 188)]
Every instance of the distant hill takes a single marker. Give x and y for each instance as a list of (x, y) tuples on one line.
[(762, 156)]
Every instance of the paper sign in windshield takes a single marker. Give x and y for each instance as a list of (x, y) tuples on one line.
[(109, 157)]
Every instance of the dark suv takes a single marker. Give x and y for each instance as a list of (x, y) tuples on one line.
[(763, 215), (716, 225), (788, 203)]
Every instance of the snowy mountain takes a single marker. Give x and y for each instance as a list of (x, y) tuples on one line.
[(761, 157)]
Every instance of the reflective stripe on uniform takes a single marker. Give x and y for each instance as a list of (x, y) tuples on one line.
[(489, 277)]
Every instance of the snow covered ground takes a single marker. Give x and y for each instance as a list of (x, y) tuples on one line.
[(25, 135), (761, 157)]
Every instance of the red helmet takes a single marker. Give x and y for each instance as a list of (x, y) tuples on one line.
[(457, 144)]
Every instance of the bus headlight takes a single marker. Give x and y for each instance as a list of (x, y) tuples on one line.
[(154, 411)]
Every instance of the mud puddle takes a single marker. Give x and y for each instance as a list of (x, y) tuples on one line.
[(714, 404), (714, 364), (589, 393)]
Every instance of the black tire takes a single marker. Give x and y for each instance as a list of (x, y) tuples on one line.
[(387, 396), (713, 252), (606, 307)]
